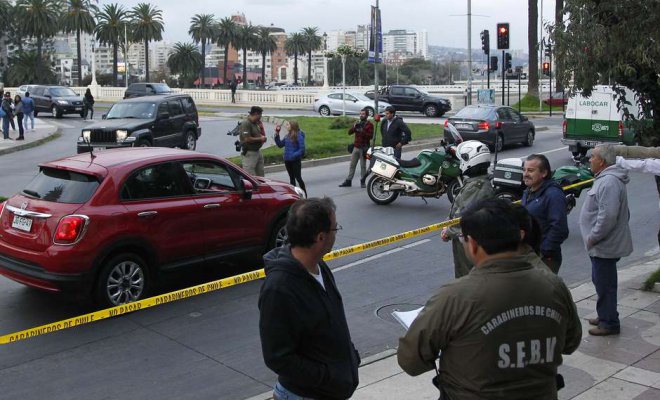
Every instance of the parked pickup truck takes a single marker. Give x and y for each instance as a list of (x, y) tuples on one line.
[(409, 98)]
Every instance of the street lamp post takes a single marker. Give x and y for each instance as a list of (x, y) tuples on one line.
[(346, 51), (325, 60)]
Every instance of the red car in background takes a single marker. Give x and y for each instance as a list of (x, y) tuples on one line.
[(558, 99), (110, 223)]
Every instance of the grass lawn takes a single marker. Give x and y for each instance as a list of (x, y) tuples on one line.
[(2, 199), (327, 137), (531, 104)]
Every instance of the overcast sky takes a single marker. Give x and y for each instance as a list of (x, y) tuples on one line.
[(445, 20)]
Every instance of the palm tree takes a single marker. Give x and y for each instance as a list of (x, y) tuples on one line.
[(226, 37), (532, 45), (246, 40), (40, 20), (313, 42), (295, 45), (110, 30), (28, 67), (147, 25), (79, 18), (202, 30), (265, 44), (186, 61)]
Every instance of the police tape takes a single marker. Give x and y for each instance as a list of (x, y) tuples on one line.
[(218, 284)]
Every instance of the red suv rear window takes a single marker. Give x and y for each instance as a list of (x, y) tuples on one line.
[(62, 186)]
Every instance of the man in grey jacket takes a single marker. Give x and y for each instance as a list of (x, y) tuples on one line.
[(604, 225)]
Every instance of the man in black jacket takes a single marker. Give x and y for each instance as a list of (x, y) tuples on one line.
[(394, 131), (304, 333)]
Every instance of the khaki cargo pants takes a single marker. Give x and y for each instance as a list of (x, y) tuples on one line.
[(253, 162)]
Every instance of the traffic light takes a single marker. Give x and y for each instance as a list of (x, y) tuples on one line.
[(485, 41), (507, 60), (493, 63), (503, 36), (546, 68), (548, 51)]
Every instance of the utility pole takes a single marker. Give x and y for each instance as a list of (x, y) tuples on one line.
[(469, 35), (126, 53)]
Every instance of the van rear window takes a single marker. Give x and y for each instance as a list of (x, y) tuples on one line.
[(61, 186)]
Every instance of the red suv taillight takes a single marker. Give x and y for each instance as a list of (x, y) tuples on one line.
[(446, 123), (564, 128), (483, 126), (620, 130), (70, 229)]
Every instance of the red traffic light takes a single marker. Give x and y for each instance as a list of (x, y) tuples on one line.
[(503, 36)]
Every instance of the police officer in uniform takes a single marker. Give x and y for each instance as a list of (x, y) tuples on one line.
[(501, 330)]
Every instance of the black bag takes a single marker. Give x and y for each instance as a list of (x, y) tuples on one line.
[(350, 148)]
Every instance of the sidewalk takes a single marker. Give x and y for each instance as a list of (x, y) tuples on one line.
[(622, 367), (43, 132)]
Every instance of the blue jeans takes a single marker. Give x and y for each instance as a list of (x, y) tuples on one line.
[(604, 277), (282, 393), (29, 116), (5, 127)]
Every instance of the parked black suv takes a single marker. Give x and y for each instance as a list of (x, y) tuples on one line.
[(56, 100), (409, 98), (146, 89), (163, 121)]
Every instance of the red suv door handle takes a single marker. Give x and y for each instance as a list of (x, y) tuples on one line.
[(212, 205), (146, 214)]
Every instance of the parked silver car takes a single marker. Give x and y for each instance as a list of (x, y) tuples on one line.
[(333, 104)]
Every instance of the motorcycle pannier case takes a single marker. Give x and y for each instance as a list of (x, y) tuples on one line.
[(384, 167), (509, 172)]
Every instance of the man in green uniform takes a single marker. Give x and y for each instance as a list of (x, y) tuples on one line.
[(501, 330), (252, 138), (475, 160)]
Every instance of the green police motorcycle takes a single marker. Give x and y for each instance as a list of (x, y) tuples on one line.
[(432, 173)]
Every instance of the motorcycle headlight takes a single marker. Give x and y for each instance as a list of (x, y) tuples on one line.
[(121, 135), (86, 135), (62, 102)]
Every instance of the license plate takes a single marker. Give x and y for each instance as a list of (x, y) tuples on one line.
[(591, 144), (22, 223), (463, 126), (99, 148), (78, 108)]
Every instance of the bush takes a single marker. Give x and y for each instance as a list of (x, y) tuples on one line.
[(2, 199), (342, 122)]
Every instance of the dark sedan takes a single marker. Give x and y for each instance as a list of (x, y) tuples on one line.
[(496, 126)]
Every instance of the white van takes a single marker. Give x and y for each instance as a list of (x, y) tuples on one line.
[(590, 121)]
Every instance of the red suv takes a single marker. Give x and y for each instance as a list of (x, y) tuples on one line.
[(110, 223)]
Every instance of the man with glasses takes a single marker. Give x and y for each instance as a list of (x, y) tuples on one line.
[(304, 334), (395, 133), (501, 330)]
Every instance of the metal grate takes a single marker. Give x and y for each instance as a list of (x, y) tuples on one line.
[(101, 136)]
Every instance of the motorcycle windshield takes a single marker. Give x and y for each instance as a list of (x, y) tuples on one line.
[(454, 133)]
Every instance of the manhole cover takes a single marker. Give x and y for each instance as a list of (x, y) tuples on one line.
[(385, 312)]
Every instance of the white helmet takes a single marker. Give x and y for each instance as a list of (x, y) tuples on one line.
[(474, 157)]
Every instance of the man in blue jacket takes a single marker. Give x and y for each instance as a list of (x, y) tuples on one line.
[(545, 201)]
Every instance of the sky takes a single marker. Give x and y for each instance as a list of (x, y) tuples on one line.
[(445, 20)]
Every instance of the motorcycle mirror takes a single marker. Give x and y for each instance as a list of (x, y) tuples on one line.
[(454, 133)]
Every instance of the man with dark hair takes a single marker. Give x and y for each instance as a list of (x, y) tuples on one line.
[(28, 110), (395, 133), (364, 131), (252, 137), (501, 330), (304, 334), (604, 225), (545, 200)]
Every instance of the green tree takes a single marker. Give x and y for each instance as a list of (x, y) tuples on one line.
[(532, 48), (226, 37), (40, 20), (265, 44), (110, 31), (147, 25), (602, 42), (313, 42), (559, 12), (79, 17), (28, 67), (202, 29), (186, 61), (294, 46), (246, 40)]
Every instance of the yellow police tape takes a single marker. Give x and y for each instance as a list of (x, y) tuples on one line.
[(217, 285)]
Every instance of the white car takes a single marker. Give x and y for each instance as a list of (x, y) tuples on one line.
[(333, 104)]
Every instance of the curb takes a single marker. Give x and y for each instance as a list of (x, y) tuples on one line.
[(24, 146)]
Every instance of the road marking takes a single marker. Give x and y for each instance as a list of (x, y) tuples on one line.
[(380, 255), (553, 150)]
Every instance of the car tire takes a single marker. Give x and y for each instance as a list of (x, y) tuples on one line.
[(529, 141), (370, 112), (36, 113), (190, 141), (143, 143), (431, 110), (324, 111), (376, 193), (278, 236), (124, 278), (55, 112)]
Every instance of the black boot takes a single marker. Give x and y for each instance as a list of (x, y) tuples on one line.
[(346, 183), (362, 183)]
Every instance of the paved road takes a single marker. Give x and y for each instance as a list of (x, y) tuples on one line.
[(208, 346)]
